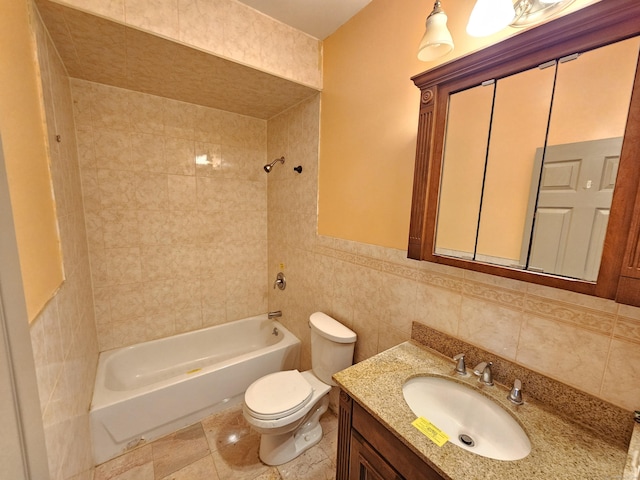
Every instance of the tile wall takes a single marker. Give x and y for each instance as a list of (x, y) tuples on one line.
[(587, 342), (64, 334), (175, 245), (226, 28)]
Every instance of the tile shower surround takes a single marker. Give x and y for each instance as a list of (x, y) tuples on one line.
[(174, 245)]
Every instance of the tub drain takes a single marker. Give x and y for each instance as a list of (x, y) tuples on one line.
[(467, 440)]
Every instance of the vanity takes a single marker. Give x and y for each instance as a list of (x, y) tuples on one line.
[(376, 438)]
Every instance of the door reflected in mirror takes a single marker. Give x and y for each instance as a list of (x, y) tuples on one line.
[(530, 162)]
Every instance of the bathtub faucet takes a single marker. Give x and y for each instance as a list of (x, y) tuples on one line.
[(276, 314)]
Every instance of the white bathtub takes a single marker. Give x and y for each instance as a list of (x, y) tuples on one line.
[(150, 389)]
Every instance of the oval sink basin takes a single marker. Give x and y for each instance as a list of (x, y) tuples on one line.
[(470, 420)]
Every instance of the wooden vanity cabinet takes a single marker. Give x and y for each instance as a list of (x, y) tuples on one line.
[(368, 451)]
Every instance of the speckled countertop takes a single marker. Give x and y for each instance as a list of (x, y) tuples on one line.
[(560, 449), (631, 469)]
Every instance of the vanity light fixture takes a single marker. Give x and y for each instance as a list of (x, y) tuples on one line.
[(437, 40), (487, 18), (490, 16), (530, 12)]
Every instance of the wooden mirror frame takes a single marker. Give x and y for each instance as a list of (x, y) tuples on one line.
[(594, 26)]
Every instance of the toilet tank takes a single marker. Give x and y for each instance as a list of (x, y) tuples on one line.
[(331, 346)]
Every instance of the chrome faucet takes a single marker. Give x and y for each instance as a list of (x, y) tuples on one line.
[(483, 370), (461, 368), (275, 314), (516, 392)]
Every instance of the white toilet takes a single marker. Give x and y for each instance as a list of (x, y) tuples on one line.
[(285, 407)]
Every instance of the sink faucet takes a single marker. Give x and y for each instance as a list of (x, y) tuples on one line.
[(483, 370), (461, 368), (516, 392)]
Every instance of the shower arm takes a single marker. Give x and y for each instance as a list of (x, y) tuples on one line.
[(269, 166)]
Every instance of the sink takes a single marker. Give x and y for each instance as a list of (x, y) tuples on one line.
[(470, 419)]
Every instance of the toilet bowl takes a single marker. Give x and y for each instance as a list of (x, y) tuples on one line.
[(285, 407)]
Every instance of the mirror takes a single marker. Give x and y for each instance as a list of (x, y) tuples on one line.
[(526, 163), (530, 163)]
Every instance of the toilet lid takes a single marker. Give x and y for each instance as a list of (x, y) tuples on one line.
[(277, 395)]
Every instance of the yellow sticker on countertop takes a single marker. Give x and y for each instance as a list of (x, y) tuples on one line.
[(432, 432)]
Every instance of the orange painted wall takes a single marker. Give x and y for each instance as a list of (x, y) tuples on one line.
[(370, 114), (26, 156)]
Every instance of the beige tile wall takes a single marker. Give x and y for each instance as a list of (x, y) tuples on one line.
[(64, 334), (588, 342), (174, 245), (226, 28)]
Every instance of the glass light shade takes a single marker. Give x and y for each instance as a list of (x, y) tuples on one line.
[(490, 16), (437, 40)]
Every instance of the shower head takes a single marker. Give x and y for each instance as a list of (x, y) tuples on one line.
[(267, 168)]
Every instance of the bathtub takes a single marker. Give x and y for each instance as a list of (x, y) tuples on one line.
[(148, 390)]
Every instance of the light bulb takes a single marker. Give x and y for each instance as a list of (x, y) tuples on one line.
[(490, 16)]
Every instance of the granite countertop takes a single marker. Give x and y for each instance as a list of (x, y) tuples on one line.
[(631, 469), (560, 448)]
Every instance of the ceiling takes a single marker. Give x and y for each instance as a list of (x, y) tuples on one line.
[(318, 18)]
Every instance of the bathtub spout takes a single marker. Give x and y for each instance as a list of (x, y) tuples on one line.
[(276, 314)]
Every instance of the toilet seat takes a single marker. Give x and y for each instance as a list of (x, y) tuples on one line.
[(278, 395)]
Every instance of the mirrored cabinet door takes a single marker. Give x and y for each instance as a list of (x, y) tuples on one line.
[(519, 126), (578, 170), (468, 126)]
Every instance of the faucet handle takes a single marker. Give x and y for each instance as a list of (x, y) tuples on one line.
[(478, 369), (280, 282), (461, 368), (483, 370), (516, 392)]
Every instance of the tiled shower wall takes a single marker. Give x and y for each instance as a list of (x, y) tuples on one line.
[(176, 206), (64, 339), (587, 342)]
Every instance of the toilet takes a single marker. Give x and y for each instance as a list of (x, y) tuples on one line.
[(285, 407)]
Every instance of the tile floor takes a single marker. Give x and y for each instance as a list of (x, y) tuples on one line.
[(221, 447)]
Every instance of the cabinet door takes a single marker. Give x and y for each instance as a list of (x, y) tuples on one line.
[(366, 464)]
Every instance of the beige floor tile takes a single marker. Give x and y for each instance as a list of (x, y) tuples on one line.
[(271, 474), (239, 461), (329, 421), (202, 469), (134, 465), (179, 449), (311, 465), (141, 472), (225, 428), (329, 444)]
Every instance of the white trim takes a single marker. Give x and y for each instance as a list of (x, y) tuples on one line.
[(25, 457)]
